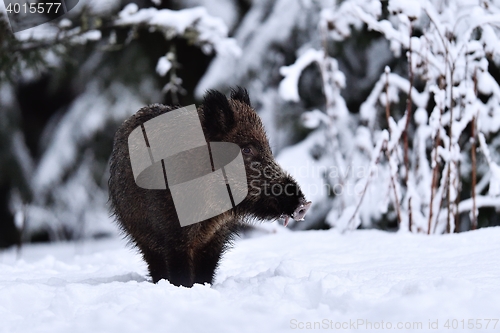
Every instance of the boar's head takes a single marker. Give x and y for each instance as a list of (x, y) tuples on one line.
[(272, 193)]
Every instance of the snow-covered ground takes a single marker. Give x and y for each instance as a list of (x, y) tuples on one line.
[(279, 282)]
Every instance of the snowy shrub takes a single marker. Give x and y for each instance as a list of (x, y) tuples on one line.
[(431, 162), (52, 39)]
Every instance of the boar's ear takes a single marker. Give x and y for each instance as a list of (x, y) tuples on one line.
[(240, 94), (218, 115)]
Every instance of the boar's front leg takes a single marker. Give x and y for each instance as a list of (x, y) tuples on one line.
[(157, 264), (179, 268), (172, 265), (206, 259)]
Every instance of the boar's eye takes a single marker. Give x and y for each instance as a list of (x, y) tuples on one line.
[(247, 151)]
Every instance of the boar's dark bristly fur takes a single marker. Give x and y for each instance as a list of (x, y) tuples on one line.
[(190, 254)]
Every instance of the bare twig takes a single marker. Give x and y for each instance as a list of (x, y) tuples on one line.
[(441, 192), (457, 197), (331, 133), (474, 179), (473, 160), (450, 150), (408, 118), (409, 214), (387, 106), (408, 110), (381, 144), (435, 172), (387, 152)]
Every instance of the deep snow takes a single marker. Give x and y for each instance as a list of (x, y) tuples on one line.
[(277, 282)]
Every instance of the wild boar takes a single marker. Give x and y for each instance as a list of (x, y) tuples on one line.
[(190, 254)]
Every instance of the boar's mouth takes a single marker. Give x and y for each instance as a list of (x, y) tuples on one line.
[(269, 208), (279, 197), (299, 213)]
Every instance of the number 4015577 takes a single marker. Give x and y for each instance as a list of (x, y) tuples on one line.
[(32, 8), (471, 324)]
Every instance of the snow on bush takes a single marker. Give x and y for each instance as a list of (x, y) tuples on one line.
[(211, 32), (195, 24), (412, 168)]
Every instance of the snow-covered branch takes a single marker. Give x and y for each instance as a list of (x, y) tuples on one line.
[(211, 32), (449, 55)]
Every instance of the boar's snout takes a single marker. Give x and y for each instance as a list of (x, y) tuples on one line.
[(301, 211)]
